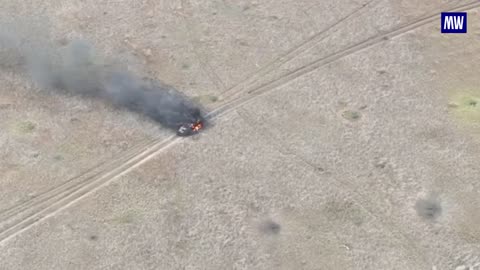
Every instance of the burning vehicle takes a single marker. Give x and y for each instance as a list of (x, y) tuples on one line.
[(76, 70), (189, 129), (161, 103), (192, 124)]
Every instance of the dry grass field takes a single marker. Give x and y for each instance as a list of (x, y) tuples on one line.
[(345, 135)]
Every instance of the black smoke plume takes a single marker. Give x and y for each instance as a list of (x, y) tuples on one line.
[(76, 69)]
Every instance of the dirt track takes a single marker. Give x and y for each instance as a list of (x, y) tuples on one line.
[(357, 131)]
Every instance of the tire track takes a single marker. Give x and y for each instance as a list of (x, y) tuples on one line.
[(250, 95), (210, 71), (25, 215), (28, 213), (294, 51), (65, 187), (91, 173)]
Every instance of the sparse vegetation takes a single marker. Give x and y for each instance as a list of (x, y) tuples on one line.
[(351, 115), (464, 106), (429, 209), (25, 127), (205, 99)]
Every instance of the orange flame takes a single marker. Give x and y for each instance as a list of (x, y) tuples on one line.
[(197, 126)]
